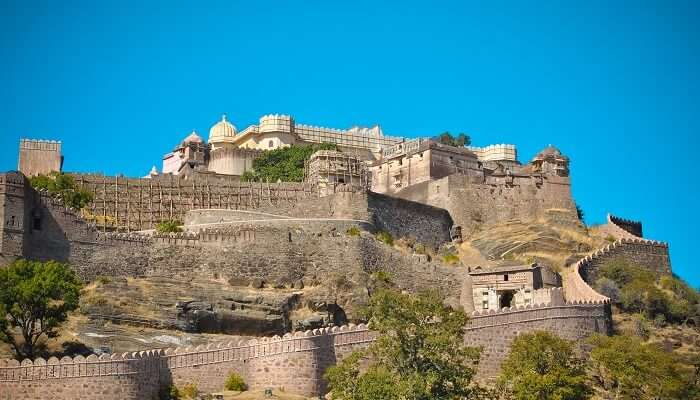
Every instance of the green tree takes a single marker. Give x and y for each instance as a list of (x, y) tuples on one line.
[(419, 354), (285, 164), (631, 369), (35, 298), (63, 186), (460, 140), (542, 366)]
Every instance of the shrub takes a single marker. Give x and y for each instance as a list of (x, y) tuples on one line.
[(450, 258), (420, 248), (284, 164), (641, 326), (170, 226), (61, 185), (610, 238), (235, 382), (353, 231), (385, 237), (189, 391)]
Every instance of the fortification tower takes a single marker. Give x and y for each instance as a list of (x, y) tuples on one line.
[(12, 216), (275, 131), (39, 156)]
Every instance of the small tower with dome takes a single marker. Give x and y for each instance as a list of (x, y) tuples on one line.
[(550, 161), (191, 152), (222, 134)]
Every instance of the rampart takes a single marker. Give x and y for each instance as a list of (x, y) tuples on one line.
[(474, 205), (494, 331), (650, 254), (621, 228), (294, 362)]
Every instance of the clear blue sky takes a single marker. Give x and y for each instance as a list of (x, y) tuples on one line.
[(613, 84)]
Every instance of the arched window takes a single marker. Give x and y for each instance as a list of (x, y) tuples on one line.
[(271, 143)]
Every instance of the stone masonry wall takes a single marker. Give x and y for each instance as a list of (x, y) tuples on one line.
[(494, 331), (646, 253), (293, 362), (474, 205), (278, 253)]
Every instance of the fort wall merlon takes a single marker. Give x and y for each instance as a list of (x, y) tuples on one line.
[(494, 331), (621, 228), (650, 254), (295, 362)]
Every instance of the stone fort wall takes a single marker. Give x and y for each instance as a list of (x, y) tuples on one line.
[(494, 331), (474, 203), (294, 362), (650, 254)]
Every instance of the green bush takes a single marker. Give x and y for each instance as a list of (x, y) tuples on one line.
[(420, 248), (385, 237), (169, 227), (61, 185), (353, 231), (285, 164), (450, 258), (235, 382)]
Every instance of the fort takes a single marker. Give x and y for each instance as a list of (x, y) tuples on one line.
[(296, 235)]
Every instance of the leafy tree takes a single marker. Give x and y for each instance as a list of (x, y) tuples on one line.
[(460, 140), (543, 366), (634, 370), (419, 354), (36, 298), (285, 164), (61, 185), (169, 227)]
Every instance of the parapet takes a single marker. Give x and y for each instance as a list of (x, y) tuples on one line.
[(576, 289), (630, 227), (38, 144), (496, 152), (152, 361), (276, 123)]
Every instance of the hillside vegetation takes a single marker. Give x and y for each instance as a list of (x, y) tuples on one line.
[(285, 164)]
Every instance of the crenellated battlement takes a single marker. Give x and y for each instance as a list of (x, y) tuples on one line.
[(651, 254), (40, 144), (623, 228), (263, 362)]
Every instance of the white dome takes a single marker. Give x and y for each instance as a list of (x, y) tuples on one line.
[(222, 131)]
